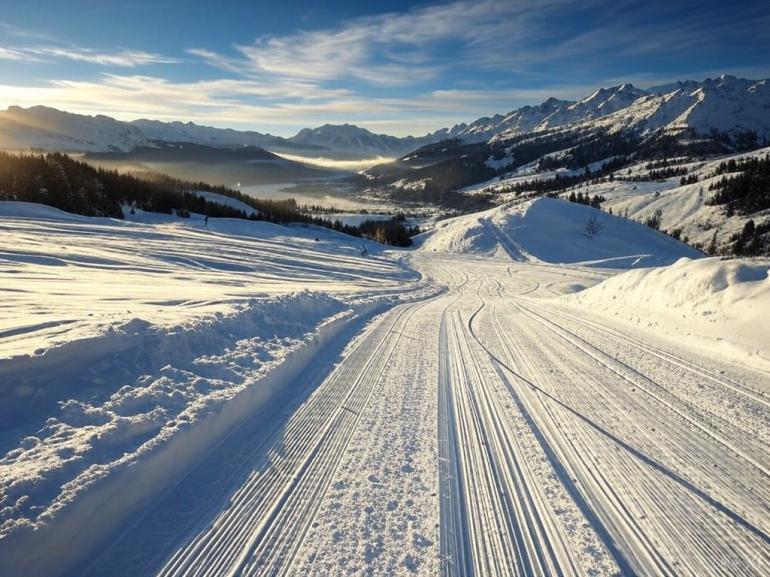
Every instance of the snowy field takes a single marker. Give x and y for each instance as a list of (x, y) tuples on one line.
[(505, 399)]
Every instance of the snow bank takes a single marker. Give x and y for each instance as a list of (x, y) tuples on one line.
[(554, 231), (722, 304), (156, 383)]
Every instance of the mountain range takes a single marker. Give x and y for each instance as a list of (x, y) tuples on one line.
[(45, 128), (725, 104)]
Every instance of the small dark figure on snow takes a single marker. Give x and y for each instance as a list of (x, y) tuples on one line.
[(364, 252), (206, 221)]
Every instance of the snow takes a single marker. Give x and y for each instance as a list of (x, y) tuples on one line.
[(505, 399), (161, 268), (225, 200), (681, 207), (51, 129), (554, 231), (726, 104), (118, 339), (718, 302)]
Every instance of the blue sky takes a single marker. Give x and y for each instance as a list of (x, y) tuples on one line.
[(394, 67)]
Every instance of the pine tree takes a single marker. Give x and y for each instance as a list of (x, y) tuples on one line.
[(712, 247)]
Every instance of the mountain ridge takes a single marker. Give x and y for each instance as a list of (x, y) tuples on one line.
[(724, 104)]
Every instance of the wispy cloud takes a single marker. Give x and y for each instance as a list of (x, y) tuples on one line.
[(124, 58), (388, 49), (419, 45), (290, 103), (400, 72), (11, 54), (222, 101), (120, 58)]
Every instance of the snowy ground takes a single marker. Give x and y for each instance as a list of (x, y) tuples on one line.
[(510, 413), (681, 207)]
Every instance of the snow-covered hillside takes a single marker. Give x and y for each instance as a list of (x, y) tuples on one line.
[(682, 207), (170, 270), (554, 231), (251, 399)]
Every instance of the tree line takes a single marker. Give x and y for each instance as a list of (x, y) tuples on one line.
[(74, 186), (746, 192)]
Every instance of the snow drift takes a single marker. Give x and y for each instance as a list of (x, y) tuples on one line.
[(723, 304)]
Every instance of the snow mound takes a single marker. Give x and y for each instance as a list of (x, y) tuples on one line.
[(716, 301), (554, 231), (462, 235)]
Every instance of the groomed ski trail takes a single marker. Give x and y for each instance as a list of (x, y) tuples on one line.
[(485, 432)]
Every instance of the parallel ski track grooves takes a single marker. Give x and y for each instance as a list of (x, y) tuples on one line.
[(649, 560), (261, 531), (454, 544), (644, 383), (617, 520), (721, 380), (509, 524)]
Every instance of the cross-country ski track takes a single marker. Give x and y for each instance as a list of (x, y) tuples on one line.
[(483, 428), (480, 432)]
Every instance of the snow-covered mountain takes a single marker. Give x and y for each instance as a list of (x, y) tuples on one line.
[(518, 121), (206, 135), (601, 103), (45, 128), (553, 113), (52, 129), (351, 138), (725, 104)]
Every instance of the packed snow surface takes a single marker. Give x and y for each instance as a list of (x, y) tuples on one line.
[(505, 400), (118, 338)]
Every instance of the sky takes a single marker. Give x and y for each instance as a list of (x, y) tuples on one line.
[(393, 67)]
